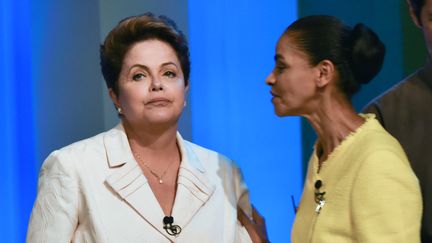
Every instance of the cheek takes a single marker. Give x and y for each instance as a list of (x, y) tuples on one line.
[(293, 84), (178, 89), (132, 96), (298, 90), (180, 98)]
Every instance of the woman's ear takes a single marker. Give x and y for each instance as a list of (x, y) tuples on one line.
[(326, 73), (114, 97), (187, 89), (186, 93)]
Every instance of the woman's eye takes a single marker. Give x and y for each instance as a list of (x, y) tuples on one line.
[(138, 76), (280, 68), (170, 74)]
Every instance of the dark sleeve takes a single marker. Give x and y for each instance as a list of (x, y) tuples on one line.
[(375, 108)]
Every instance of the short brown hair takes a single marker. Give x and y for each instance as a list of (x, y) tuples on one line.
[(135, 29)]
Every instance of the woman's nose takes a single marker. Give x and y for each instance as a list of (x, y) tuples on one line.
[(270, 80), (156, 85)]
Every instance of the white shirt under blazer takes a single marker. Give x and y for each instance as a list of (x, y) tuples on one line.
[(94, 191)]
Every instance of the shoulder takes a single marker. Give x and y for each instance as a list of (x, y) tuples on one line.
[(207, 154), (83, 148), (375, 138), (85, 145), (381, 159), (199, 150), (372, 139), (401, 91), (65, 160), (381, 152), (209, 158)]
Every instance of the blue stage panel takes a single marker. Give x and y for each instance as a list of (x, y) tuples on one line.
[(232, 49)]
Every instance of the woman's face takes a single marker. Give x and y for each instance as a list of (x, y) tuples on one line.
[(151, 85), (292, 80)]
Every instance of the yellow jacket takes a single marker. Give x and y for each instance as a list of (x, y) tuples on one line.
[(371, 193)]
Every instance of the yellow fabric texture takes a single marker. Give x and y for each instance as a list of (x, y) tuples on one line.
[(371, 192)]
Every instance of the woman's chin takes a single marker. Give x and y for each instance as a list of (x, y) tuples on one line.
[(281, 112), (161, 116), (154, 120), (162, 119)]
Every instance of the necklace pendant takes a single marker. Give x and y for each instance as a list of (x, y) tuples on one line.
[(319, 206), (160, 181)]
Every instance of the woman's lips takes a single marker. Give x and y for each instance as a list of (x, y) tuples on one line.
[(274, 97), (273, 94), (158, 101)]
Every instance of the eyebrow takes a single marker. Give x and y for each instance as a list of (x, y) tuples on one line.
[(278, 57), (139, 66), (169, 63), (147, 69)]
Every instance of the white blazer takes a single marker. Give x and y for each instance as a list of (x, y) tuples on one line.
[(94, 191)]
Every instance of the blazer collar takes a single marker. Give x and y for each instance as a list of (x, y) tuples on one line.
[(117, 147), (194, 185), (194, 188)]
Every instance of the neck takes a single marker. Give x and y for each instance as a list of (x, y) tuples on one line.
[(155, 144), (333, 121)]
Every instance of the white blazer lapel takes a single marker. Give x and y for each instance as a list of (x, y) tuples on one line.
[(128, 181), (194, 188)]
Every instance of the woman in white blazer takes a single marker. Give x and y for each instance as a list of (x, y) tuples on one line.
[(140, 181)]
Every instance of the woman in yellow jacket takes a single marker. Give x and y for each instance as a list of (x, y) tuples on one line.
[(359, 185)]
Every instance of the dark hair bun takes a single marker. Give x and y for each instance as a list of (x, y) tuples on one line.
[(367, 53)]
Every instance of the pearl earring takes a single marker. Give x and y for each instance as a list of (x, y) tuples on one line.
[(119, 110)]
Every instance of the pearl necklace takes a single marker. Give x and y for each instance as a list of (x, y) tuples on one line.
[(158, 177)]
